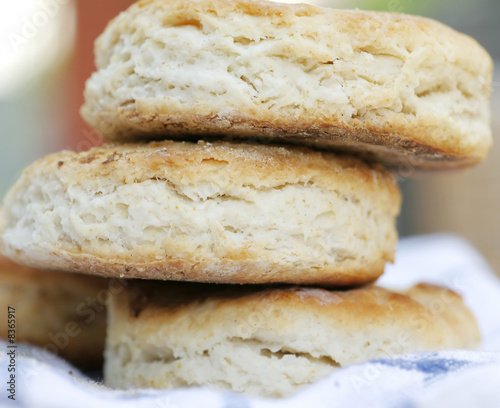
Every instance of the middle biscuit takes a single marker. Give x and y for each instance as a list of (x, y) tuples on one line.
[(221, 212)]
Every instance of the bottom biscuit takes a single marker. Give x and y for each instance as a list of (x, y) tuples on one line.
[(270, 341), (61, 312)]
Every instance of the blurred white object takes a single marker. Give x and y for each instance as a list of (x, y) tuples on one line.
[(34, 36)]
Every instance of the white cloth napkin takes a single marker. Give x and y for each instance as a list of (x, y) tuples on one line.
[(452, 378)]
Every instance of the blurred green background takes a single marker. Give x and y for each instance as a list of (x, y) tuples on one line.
[(46, 55)]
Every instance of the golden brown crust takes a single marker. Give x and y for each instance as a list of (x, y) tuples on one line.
[(249, 164), (404, 152), (52, 313), (449, 308), (270, 340), (230, 271), (431, 309)]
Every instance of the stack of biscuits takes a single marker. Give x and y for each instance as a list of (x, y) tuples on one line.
[(247, 193)]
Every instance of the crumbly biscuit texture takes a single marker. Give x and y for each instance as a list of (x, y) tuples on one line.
[(270, 341), (221, 213), (405, 90)]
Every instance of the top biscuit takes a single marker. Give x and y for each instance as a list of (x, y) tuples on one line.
[(404, 90)]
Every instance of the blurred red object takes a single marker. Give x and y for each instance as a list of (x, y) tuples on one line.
[(93, 16)]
